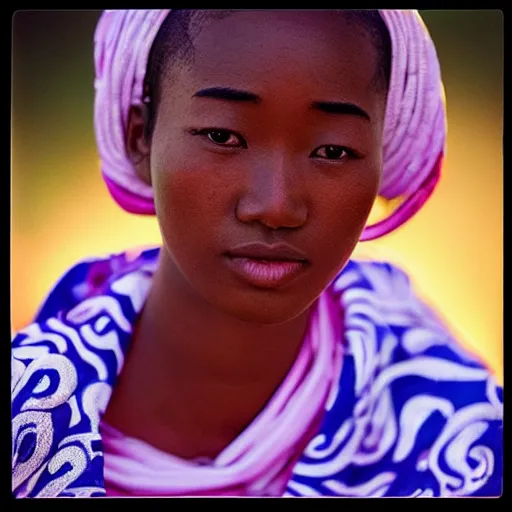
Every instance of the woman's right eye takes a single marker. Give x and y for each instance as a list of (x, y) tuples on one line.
[(221, 137)]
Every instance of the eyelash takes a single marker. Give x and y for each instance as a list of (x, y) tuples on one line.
[(207, 132)]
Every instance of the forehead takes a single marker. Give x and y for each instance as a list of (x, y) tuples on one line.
[(312, 53)]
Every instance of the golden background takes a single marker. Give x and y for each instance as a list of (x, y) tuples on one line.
[(61, 211)]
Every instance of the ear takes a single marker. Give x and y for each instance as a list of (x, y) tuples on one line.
[(137, 146)]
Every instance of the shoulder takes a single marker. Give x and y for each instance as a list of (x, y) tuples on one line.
[(380, 296), (92, 276), (416, 413), (84, 299)]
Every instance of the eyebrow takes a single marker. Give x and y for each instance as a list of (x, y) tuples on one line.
[(329, 107), (337, 107), (227, 93)]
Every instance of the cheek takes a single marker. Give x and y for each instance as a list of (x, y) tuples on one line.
[(349, 198), (189, 199), (342, 212)]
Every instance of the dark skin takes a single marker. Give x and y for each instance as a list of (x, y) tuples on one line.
[(210, 349)]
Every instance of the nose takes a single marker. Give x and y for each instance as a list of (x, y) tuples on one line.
[(274, 196)]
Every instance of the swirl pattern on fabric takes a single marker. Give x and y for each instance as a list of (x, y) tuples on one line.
[(411, 413)]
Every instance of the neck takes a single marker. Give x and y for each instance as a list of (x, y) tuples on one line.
[(179, 327), (192, 365)]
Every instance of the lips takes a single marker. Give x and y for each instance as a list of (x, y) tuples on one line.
[(266, 266), (276, 252)]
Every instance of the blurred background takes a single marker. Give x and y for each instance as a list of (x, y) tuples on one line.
[(61, 211)]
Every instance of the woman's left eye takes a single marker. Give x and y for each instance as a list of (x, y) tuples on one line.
[(331, 152)]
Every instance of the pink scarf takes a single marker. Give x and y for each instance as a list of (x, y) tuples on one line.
[(260, 460)]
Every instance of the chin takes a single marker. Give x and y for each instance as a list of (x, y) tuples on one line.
[(269, 312)]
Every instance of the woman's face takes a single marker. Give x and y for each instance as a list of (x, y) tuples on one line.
[(266, 159)]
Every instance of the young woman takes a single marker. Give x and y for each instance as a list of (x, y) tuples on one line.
[(249, 355)]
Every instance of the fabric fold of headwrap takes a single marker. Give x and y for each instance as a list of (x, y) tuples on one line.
[(414, 127)]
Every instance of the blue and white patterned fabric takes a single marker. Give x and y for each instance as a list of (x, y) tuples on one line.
[(414, 414)]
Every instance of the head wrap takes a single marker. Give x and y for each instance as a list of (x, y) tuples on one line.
[(414, 126)]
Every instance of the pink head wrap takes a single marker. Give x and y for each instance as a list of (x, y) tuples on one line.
[(414, 128)]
